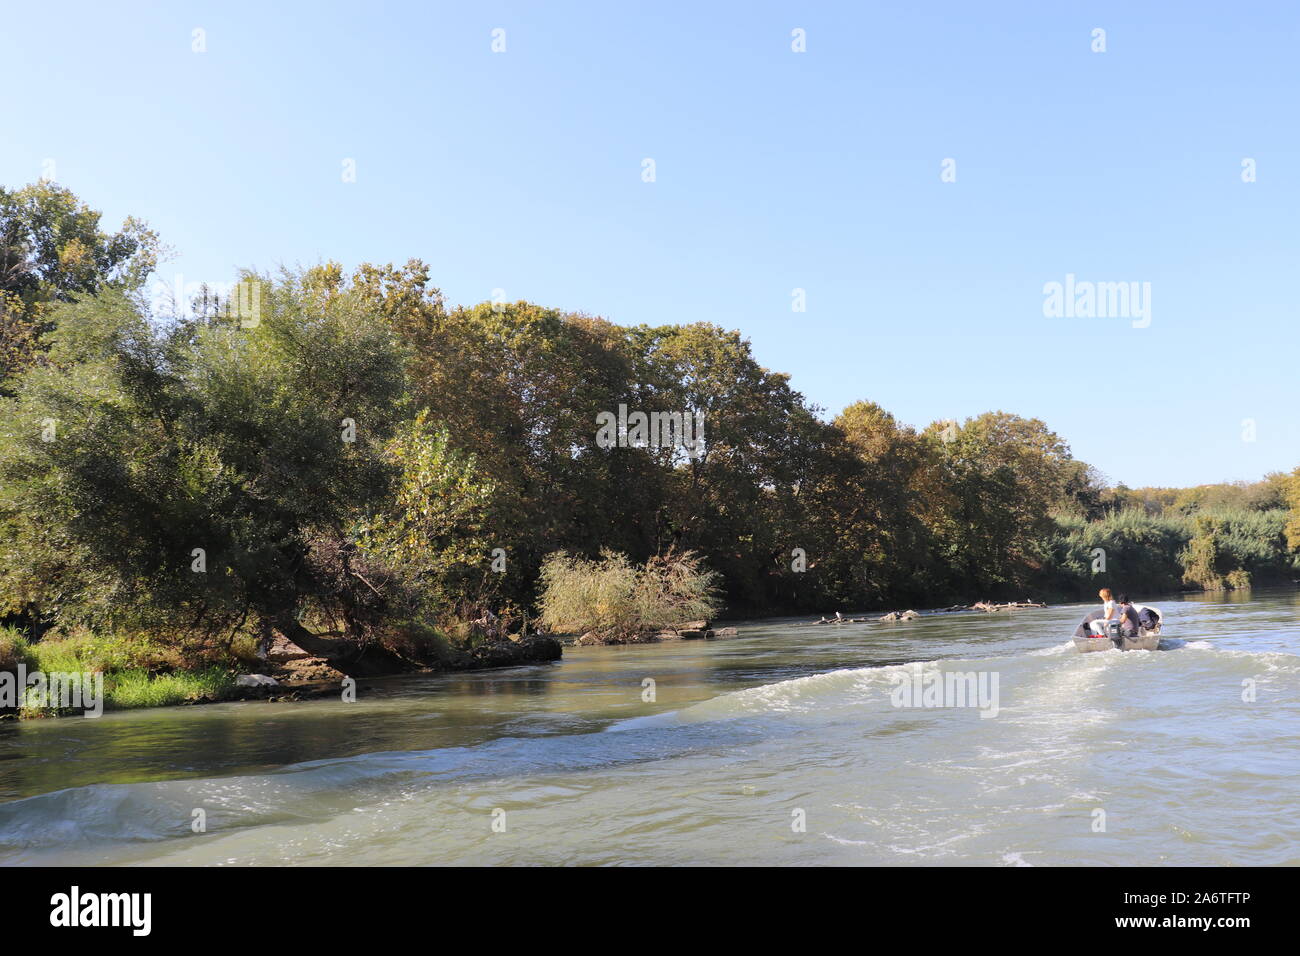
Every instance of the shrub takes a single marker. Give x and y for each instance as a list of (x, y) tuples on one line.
[(623, 602), (14, 649), (1158, 553)]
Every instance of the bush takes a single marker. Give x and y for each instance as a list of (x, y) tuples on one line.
[(622, 602), (1160, 553), (14, 649), (1141, 554)]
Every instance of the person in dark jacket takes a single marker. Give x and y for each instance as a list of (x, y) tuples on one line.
[(1128, 616)]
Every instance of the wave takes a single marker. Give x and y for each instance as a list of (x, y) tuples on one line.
[(1063, 697), (159, 810)]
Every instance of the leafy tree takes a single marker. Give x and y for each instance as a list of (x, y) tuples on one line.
[(269, 449), (433, 531), (992, 488), (737, 503), (1204, 561), (883, 550), (1291, 492), (52, 250)]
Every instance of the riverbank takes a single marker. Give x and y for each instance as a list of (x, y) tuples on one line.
[(54, 678)]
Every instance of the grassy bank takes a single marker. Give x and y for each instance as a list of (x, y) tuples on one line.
[(137, 672), (142, 671)]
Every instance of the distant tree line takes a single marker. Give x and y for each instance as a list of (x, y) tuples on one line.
[(341, 458)]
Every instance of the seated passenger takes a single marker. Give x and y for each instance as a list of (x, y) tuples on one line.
[(1110, 612), (1128, 616)]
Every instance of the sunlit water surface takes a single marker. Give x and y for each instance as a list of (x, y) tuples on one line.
[(1109, 758)]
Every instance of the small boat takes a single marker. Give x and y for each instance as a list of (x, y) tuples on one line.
[(1147, 637), (1144, 641)]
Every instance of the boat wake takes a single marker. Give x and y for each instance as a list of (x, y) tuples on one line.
[(1059, 712)]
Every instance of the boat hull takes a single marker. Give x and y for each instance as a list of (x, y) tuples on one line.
[(1146, 641)]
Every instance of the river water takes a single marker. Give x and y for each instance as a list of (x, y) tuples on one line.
[(786, 745)]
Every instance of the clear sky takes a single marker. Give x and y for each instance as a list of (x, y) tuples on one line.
[(774, 171)]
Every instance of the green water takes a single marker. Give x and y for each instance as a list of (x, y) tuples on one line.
[(785, 745)]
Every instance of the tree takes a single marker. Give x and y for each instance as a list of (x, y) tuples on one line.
[(204, 477), (52, 250), (1204, 560), (991, 491), (883, 547), (739, 502), (434, 530), (1291, 493)]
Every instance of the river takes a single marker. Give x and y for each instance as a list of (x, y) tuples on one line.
[(781, 746)]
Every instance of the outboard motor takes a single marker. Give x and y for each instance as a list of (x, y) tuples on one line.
[(1115, 631)]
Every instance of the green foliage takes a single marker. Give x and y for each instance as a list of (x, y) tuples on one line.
[(1154, 553), (1225, 553), (128, 689), (261, 446), (85, 650), (1265, 495), (138, 671), (1203, 562), (1139, 550), (352, 456), (433, 532), (52, 250), (139, 688), (14, 649), (1291, 497), (621, 601)]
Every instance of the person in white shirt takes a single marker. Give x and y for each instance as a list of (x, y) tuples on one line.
[(1110, 610)]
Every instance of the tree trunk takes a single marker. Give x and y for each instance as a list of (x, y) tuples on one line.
[(354, 660)]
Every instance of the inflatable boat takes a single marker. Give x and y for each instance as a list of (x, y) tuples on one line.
[(1121, 635)]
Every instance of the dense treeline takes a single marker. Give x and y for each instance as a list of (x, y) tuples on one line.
[(352, 463)]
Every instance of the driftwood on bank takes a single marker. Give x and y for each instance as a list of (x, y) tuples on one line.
[(893, 616), (1009, 606), (841, 619), (689, 631)]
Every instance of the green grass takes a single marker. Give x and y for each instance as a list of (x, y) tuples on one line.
[(83, 649), (137, 671), (139, 688)]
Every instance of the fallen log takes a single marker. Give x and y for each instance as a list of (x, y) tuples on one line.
[(837, 619), (1009, 606), (909, 615)]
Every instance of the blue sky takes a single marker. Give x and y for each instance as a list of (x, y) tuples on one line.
[(774, 170)]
